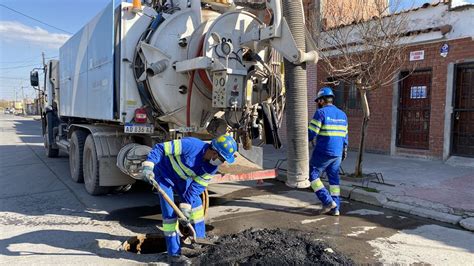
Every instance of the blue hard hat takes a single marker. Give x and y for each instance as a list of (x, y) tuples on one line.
[(226, 146), (324, 92)]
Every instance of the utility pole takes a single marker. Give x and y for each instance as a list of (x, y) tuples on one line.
[(39, 102)]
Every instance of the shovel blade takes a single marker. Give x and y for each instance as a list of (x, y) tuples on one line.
[(203, 241)]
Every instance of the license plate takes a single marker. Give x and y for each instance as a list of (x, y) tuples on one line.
[(138, 128)]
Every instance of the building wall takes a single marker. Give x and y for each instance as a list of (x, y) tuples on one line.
[(343, 11), (382, 127), (338, 12), (379, 131)]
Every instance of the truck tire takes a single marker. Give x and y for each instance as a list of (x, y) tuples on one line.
[(76, 150), (91, 169), (48, 129)]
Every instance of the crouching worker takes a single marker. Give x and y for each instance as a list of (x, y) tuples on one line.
[(186, 166)]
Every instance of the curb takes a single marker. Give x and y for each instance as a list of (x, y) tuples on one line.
[(468, 224), (377, 199)]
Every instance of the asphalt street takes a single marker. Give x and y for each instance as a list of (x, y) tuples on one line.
[(46, 218)]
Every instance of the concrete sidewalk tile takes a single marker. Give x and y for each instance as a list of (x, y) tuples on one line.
[(398, 206), (435, 215), (468, 223), (372, 198)]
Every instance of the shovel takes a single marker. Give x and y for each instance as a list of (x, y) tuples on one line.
[(182, 218)]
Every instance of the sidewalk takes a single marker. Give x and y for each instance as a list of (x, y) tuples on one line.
[(427, 188)]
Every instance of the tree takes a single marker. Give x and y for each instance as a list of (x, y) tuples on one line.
[(361, 43)]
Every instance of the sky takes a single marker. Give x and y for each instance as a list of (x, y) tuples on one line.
[(22, 39)]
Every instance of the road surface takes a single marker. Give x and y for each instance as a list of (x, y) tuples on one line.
[(46, 218)]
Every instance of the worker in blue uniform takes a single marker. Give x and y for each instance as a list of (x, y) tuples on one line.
[(329, 127), (186, 166)]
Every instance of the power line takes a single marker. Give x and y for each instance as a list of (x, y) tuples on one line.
[(30, 17), (33, 59), (14, 78), (21, 61), (16, 67)]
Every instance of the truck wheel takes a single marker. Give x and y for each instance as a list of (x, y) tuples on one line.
[(76, 151), (50, 151), (91, 169)]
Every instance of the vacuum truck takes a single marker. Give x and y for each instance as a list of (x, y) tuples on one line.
[(142, 73)]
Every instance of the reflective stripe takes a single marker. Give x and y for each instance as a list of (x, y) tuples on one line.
[(334, 127), (335, 190), (197, 214), (176, 168), (314, 129), (201, 181), (170, 226), (188, 171), (177, 147), (317, 184), (168, 148), (207, 177), (315, 122), (332, 133), (178, 165)]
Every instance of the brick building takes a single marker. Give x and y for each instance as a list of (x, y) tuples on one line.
[(430, 113)]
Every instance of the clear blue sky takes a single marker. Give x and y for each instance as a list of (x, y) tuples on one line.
[(22, 39)]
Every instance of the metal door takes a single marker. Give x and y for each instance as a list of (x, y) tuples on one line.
[(463, 115), (414, 111)]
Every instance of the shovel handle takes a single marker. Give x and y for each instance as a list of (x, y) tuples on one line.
[(175, 208)]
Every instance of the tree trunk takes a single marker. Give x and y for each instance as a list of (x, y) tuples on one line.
[(365, 122)]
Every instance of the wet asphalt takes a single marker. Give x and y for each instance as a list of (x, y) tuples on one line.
[(348, 234)]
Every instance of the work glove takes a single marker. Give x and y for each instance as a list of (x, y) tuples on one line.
[(185, 209), (344, 153), (147, 171)]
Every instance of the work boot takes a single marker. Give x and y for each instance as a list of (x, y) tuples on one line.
[(329, 207), (179, 260)]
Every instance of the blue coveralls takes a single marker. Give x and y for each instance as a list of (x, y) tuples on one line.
[(179, 165), (329, 126)]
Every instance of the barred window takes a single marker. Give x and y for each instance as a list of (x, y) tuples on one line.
[(346, 94)]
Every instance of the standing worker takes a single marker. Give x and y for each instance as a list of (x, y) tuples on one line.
[(186, 166), (329, 127)]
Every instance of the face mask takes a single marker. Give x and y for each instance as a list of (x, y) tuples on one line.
[(216, 162)]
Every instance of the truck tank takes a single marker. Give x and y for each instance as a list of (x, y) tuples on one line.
[(140, 74)]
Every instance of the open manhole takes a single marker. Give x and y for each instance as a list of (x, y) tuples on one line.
[(270, 247), (145, 244), (155, 243)]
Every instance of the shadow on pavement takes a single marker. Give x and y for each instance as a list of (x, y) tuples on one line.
[(86, 243)]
